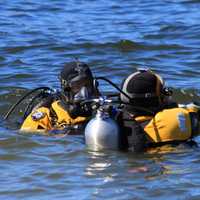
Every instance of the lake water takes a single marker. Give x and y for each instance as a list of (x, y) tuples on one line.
[(114, 38)]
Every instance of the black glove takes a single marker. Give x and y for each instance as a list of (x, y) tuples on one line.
[(78, 110)]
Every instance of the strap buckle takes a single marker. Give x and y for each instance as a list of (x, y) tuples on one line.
[(148, 95)]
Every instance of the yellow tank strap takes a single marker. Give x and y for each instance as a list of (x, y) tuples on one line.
[(64, 117), (41, 124), (143, 118)]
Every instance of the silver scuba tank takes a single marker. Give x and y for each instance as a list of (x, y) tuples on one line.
[(102, 132)]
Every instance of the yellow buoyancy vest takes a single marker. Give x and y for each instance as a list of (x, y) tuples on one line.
[(38, 120), (169, 125), (64, 117), (41, 120)]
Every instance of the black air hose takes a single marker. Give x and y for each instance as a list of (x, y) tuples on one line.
[(24, 97)]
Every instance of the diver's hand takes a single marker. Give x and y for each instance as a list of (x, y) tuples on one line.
[(80, 110)]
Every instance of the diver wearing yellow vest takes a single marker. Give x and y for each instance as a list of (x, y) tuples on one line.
[(63, 110), (149, 117)]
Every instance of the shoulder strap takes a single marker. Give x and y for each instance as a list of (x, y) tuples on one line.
[(132, 134)]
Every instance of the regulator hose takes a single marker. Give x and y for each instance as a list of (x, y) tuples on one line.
[(122, 92), (29, 107), (24, 97), (114, 85)]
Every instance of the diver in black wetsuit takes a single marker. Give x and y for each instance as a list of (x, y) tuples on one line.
[(63, 109), (149, 117)]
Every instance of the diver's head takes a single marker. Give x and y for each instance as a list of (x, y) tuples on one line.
[(77, 82), (145, 89)]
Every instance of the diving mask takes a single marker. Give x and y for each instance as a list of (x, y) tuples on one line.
[(83, 94)]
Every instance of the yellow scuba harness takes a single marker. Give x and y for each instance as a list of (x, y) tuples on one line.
[(42, 119), (63, 117), (39, 120), (174, 124)]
